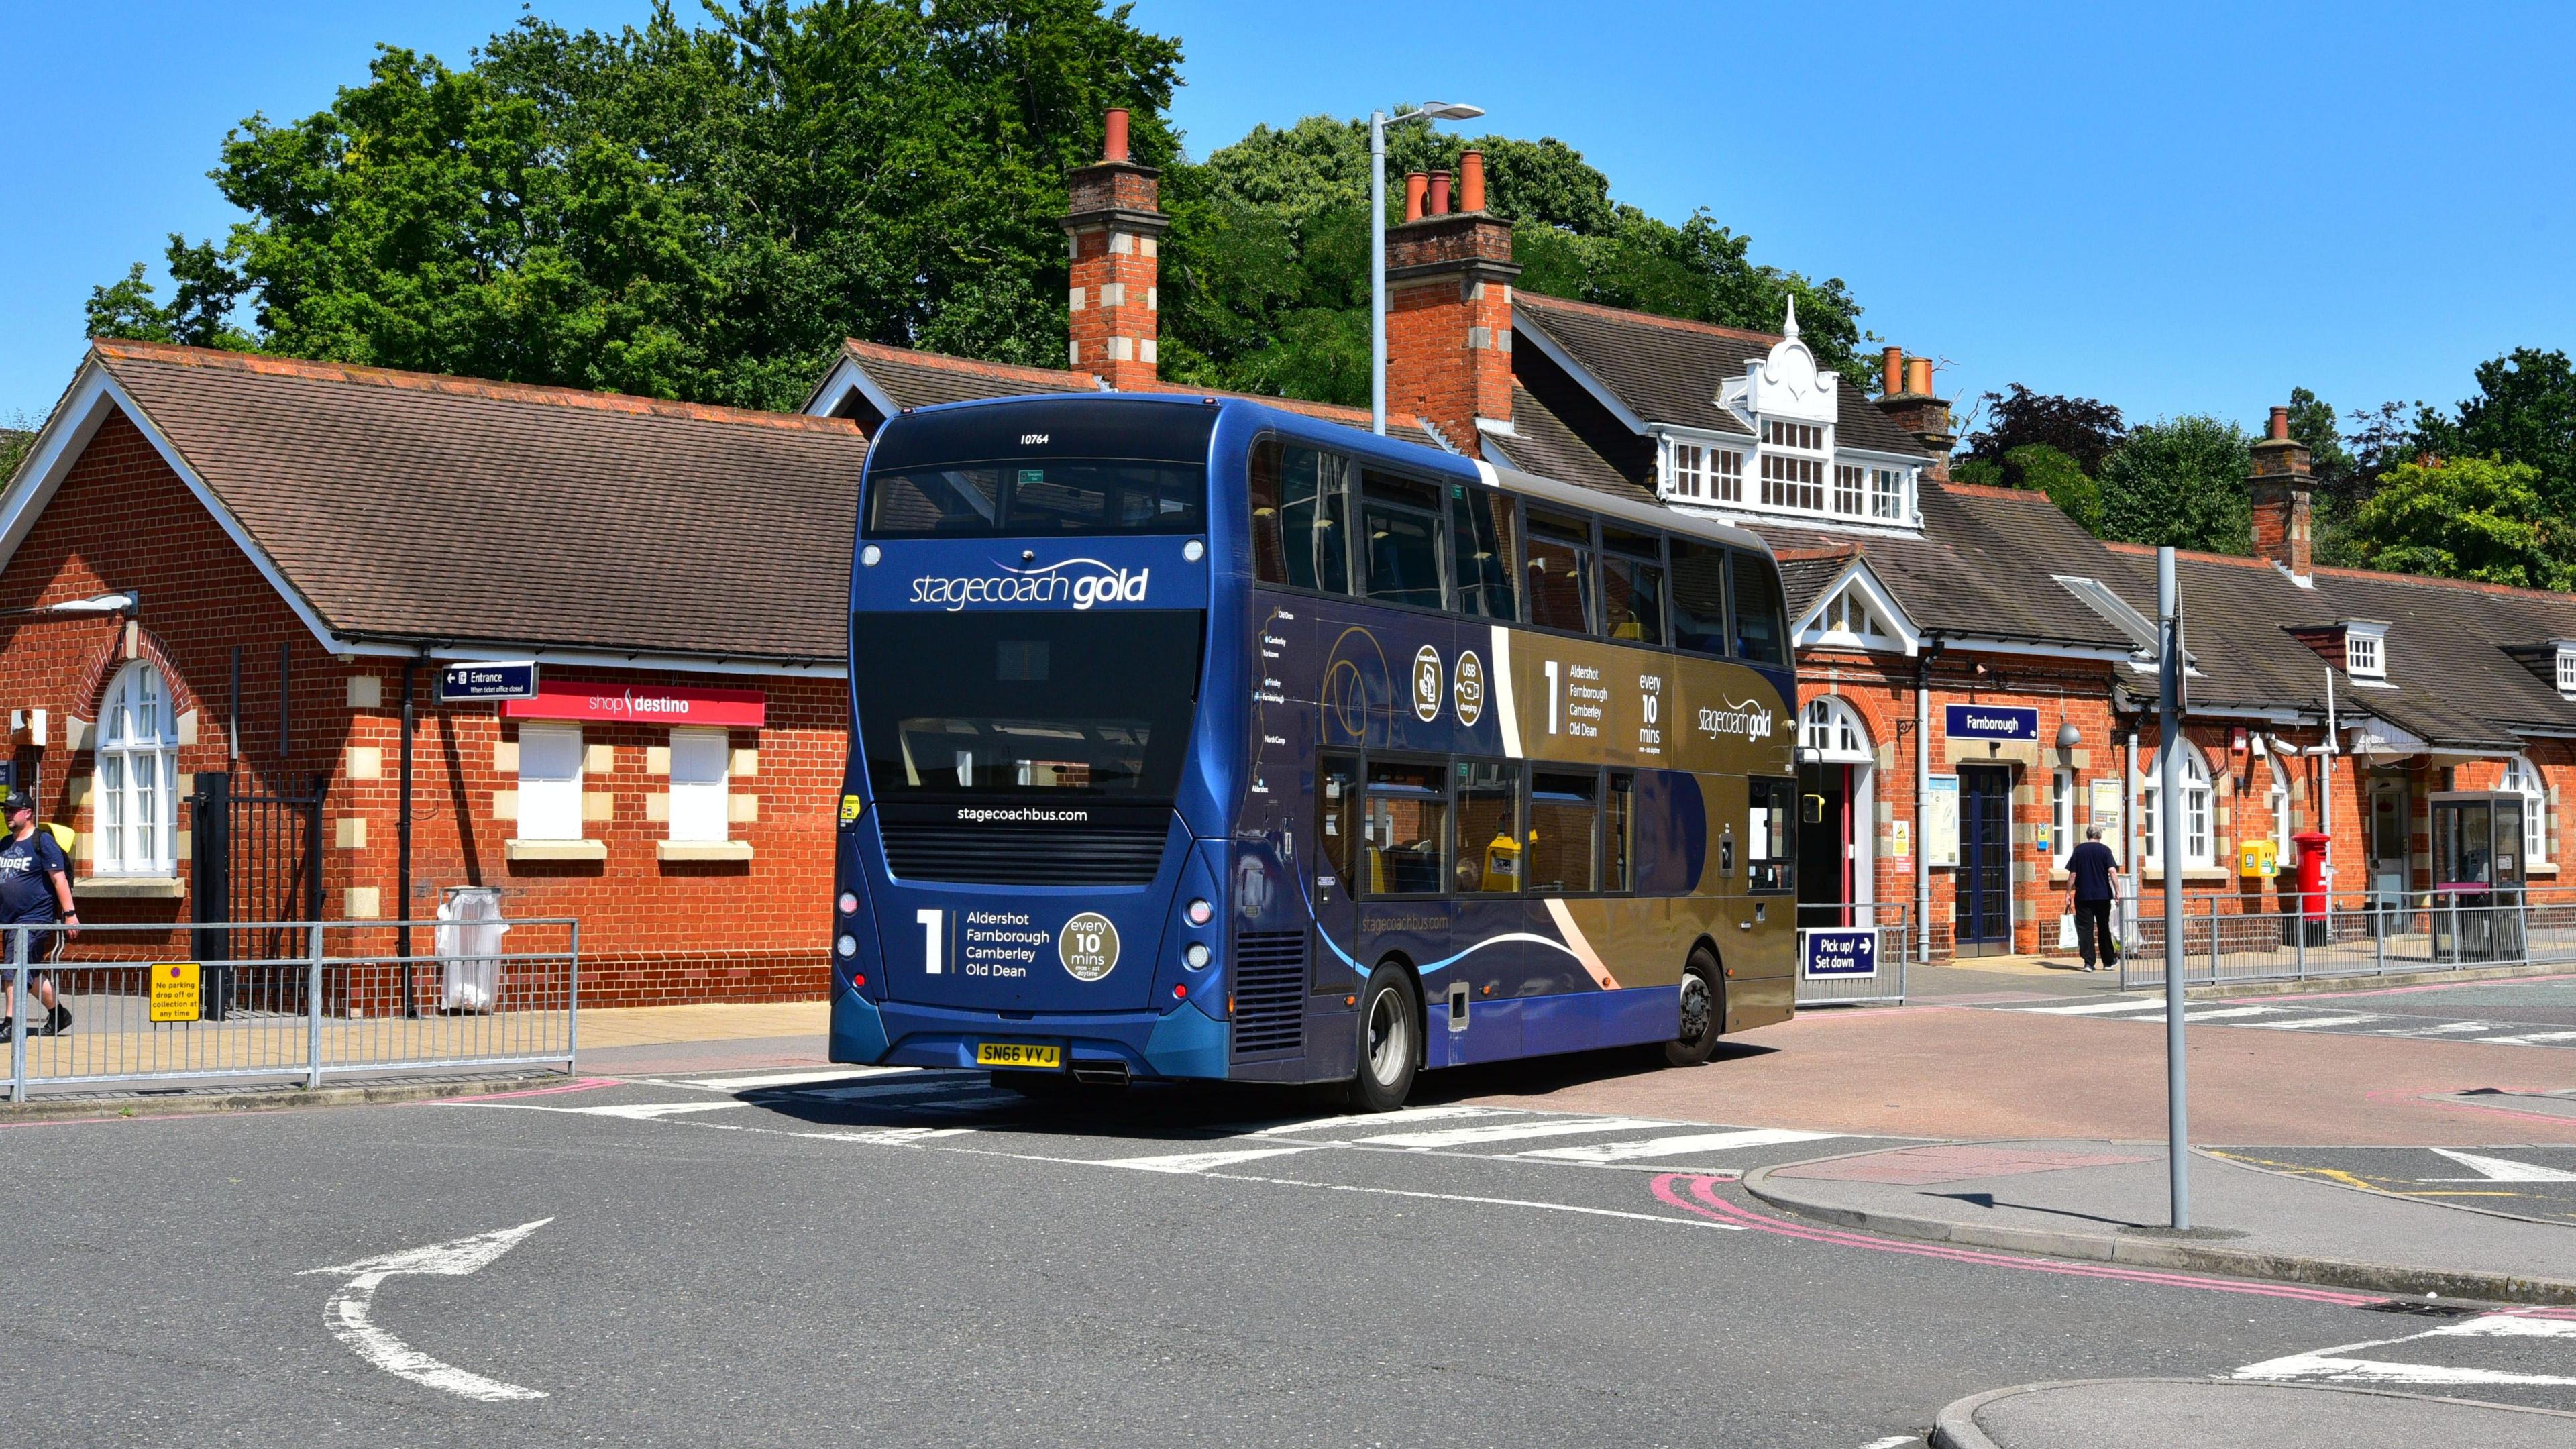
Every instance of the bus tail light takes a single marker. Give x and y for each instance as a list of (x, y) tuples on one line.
[(849, 903), (1180, 991)]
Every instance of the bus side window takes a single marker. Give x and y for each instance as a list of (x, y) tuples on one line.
[(1759, 629), (1489, 849), (1699, 597), (1300, 513), (1632, 587), (1560, 573), (1560, 833), (1337, 813), (1407, 830), (1618, 841), (1484, 549), (1767, 837), (1400, 540)]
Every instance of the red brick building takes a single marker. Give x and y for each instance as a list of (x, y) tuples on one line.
[(221, 566)]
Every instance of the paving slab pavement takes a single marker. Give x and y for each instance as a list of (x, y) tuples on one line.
[(2161, 1413), (2108, 1201)]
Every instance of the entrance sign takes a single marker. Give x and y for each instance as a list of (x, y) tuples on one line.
[(468, 681), (649, 704), (1991, 722), (1941, 821), (175, 996), (1837, 953)]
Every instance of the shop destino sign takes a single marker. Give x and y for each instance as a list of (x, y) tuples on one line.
[(648, 704)]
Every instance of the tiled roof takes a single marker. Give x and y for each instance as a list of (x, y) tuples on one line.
[(923, 379), (1668, 371), (1541, 443), (2449, 680), (437, 508)]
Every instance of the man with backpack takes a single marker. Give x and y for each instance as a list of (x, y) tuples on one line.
[(35, 890)]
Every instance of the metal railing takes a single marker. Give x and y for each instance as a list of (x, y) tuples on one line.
[(1891, 923), (141, 1009), (2358, 935)]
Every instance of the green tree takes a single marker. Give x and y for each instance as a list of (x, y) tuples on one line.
[(1265, 273), (699, 212), (2043, 469), (2525, 412), (2082, 428), (2466, 518), (16, 437), (2180, 481), (199, 313)]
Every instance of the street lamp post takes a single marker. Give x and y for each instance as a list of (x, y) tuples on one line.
[(1378, 124)]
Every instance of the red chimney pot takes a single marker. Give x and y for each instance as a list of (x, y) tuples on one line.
[(1113, 145), (1918, 376), (1892, 365), (1439, 193), (1471, 181), (1415, 183), (2280, 423)]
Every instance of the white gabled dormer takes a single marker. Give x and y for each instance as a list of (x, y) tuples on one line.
[(1858, 613), (1795, 464), (2357, 646)]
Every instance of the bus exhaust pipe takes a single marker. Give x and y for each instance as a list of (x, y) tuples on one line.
[(1100, 1074)]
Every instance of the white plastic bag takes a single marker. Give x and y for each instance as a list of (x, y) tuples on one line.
[(469, 935)]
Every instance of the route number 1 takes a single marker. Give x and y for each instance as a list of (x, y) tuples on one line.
[(931, 934), (1551, 696)]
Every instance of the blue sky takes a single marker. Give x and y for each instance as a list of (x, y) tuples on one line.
[(2174, 208)]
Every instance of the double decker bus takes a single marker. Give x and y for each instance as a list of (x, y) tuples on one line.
[(1196, 739)]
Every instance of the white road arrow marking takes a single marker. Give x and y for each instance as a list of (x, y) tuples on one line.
[(2337, 1366), (349, 1309), (2500, 1169)]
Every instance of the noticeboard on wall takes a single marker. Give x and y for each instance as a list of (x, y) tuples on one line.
[(2103, 809), (1941, 821)]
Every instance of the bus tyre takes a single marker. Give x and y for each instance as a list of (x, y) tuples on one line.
[(1703, 1012), (1390, 1041)]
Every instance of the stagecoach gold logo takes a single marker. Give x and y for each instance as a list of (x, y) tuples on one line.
[(1426, 684), (1088, 946), (1470, 688), (1751, 719)]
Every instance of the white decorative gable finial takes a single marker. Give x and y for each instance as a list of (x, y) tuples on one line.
[(1789, 329)]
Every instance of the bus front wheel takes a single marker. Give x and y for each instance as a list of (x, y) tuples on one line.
[(1703, 1012), (1390, 1041)]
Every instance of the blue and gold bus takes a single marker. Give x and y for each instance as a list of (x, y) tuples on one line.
[(1196, 739)]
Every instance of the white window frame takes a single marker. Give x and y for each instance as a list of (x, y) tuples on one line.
[(549, 795), (2523, 778), (701, 786), (1796, 458), (1689, 470), (2567, 671), (2061, 814), (1726, 475), (1851, 490), (1830, 731), (135, 806), (2365, 654), (1887, 494), (2284, 828), (2199, 813)]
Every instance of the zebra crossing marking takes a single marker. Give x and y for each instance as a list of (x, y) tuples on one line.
[(1511, 1132), (1669, 1147)]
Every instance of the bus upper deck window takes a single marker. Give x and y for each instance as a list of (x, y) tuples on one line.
[(1699, 596), (1400, 540), (1632, 587), (1759, 628), (1484, 552), (1300, 517), (936, 501), (1560, 573)]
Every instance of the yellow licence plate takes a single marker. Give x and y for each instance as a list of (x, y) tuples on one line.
[(1018, 1054)]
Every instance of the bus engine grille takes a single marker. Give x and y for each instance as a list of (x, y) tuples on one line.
[(1269, 992), (1003, 855)]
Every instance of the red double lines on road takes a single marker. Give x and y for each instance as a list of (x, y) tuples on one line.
[(1705, 1202)]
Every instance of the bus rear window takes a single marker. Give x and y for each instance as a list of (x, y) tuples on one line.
[(1038, 497)]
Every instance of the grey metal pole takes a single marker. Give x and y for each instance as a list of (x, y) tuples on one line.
[(1377, 273), (2169, 807), (313, 1011)]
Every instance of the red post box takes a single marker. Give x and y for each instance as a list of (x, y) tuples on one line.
[(2313, 847)]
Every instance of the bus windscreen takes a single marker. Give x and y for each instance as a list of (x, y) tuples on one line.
[(1037, 498), (1044, 704)]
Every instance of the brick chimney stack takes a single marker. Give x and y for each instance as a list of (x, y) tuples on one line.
[(2282, 486), (1449, 310), (1115, 225), (1908, 401)]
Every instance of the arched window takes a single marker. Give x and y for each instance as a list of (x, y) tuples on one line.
[(2199, 835), (1831, 732), (2524, 779), (138, 764)]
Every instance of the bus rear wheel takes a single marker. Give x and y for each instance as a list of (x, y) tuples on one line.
[(1703, 1012), (1390, 1042)]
